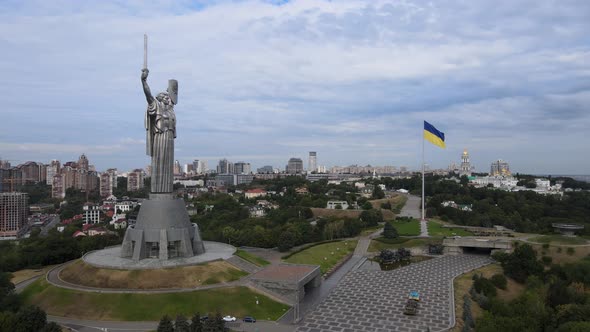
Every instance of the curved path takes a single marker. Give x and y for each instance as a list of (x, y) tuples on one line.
[(374, 300)]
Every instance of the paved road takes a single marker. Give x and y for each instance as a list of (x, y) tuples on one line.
[(374, 300), (412, 207)]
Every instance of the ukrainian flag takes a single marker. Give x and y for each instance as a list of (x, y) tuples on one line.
[(434, 136)]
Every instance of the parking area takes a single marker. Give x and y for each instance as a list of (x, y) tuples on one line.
[(368, 300)]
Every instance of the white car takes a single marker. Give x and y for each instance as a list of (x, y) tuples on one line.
[(229, 319)]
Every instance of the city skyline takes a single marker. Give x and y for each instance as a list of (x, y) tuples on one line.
[(351, 80)]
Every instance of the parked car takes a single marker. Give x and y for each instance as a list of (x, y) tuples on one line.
[(249, 319), (229, 319)]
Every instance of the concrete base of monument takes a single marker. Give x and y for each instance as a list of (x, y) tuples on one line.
[(110, 258)]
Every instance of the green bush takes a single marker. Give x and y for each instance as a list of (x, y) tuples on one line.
[(484, 286), (499, 280), (546, 246), (546, 260), (570, 251)]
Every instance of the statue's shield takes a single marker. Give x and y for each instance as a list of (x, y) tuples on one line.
[(173, 91)]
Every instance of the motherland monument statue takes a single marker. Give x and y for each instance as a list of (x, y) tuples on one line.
[(163, 229)]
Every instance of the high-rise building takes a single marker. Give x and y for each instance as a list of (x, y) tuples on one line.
[(265, 169), (83, 162), (465, 164), (242, 168), (52, 169), (57, 186), (500, 168), (294, 166), (4, 164), (106, 184), (224, 167), (135, 180), (31, 172), (177, 168), (113, 173), (14, 210), (312, 162)]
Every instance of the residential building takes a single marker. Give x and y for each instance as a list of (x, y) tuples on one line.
[(334, 204), (106, 184), (91, 213), (242, 168), (58, 189), (135, 180), (52, 169), (500, 167), (225, 167), (32, 172), (294, 166), (177, 168), (265, 169), (14, 211), (253, 193), (83, 162), (312, 165), (113, 173)]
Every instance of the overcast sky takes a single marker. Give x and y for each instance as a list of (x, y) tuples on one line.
[(263, 81)]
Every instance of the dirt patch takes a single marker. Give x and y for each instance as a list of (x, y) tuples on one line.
[(81, 273), (463, 283)]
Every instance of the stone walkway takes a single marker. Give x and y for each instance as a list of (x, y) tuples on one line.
[(243, 264), (374, 300)]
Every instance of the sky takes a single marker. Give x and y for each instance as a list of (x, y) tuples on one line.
[(264, 81)]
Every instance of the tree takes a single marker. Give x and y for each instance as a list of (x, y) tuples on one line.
[(367, 205), (378, 193), (196, 324), (165, 325), (181, 324), (389, 232), (371, 217), (286, 241), (30, 318), (522, 263)]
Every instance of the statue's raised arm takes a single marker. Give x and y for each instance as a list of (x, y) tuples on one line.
[(146, 88)]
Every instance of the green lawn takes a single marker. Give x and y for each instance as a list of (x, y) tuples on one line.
[(558, 239), (325, 255), (381, 243), (407, 228), (397, 208), (436, 229), (252, 258), (236, 301)]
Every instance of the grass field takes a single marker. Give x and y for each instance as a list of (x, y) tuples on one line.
[(81, 273), (407, 228), (382, 243), (463, 283), (319, 212), (252, 258), (559, 239), (559, 253), (436, 229), (325, 255), (236, 301)]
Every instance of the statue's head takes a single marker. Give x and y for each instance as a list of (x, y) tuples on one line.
[(164, 97)]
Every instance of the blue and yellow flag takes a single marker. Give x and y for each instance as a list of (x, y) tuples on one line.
[(434, 136)]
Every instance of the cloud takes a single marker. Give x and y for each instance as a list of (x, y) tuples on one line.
[(264, 79)]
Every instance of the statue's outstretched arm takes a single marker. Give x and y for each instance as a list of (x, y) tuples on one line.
[(146, 87)]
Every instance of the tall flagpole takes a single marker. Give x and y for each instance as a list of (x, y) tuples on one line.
[(423, 175)]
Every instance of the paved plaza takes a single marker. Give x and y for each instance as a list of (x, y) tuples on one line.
[(368, 300)]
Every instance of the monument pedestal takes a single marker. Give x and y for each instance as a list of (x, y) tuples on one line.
[(163, 230)]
